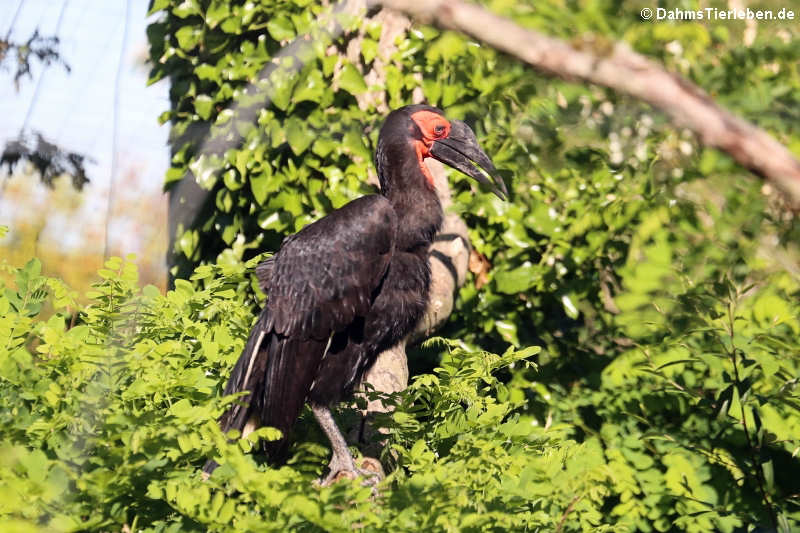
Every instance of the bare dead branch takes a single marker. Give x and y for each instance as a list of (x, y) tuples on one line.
[(616, 66)]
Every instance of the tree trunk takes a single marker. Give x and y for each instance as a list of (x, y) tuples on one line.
[(449, 259)]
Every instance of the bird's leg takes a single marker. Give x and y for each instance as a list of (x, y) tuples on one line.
[(342, 461)]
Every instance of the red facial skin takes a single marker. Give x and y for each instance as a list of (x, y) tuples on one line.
[(433, 127)]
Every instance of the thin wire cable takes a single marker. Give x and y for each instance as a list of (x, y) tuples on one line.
[(92, 146), (75, 49), (35, 97), (14, 19), (38, 86), (115, 128)]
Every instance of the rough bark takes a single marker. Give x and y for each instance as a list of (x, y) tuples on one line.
[(449, 253), (449, 261)]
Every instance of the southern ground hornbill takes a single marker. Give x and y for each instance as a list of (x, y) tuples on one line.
[(350, 285)]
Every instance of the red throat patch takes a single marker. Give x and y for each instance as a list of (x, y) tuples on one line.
[(422, 153)]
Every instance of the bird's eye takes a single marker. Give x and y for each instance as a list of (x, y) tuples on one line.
[(439, 129)]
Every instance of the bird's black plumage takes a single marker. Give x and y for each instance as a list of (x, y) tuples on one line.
[(350, 285)]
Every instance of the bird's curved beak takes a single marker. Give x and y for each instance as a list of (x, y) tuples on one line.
[(461, 151)]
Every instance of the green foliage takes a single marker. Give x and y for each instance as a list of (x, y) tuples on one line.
[(725, 409), (659, 278), (91, 400), (109, 414), (110, 411)]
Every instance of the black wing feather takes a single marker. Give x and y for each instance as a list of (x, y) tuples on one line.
[(322, 278), (264, 273)]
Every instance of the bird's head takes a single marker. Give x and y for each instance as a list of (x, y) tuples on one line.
[(430, 134)]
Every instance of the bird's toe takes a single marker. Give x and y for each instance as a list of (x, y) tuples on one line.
[(371, 472), (372, 468)]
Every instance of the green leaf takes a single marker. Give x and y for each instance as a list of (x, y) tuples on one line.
[(203, 104), (311, 87), (32, 269), (188, 37), (446, 47), (188, 242), (205, 169), (217, 11), (261, 185), (769, 474), (36, 465), (280, 28), (186, 8), (207, 72), (508, 330), (569, 306), (232, 179), (158, 5), (351, 80), (517, 280), (280, 88), (174, 174), (224, 200), (232, 25), (298, 135), (324, 146), (354, 144), (369, 49)]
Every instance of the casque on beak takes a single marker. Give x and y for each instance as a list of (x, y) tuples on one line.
[(461, 151)]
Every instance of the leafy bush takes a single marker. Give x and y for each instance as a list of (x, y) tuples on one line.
[(109, 412), (659, 279)]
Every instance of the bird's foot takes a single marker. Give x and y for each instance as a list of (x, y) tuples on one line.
[(345, 468)]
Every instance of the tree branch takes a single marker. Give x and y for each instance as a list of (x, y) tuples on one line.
[(618, 67), (449, 259)]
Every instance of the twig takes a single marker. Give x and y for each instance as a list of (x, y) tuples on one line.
[(753, 456), (73, 318), (568, 510), (616, 66)]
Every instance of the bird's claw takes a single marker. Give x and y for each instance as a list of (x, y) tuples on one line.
[(372, 467), (371, 471)]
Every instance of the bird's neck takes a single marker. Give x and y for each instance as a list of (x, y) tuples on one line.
[(415, 201)]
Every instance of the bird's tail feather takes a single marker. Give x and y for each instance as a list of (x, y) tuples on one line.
[(278, 372), (247, 376), (289, 376)]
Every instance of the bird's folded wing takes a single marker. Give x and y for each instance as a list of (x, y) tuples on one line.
[(264, 273), (327, 274)]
